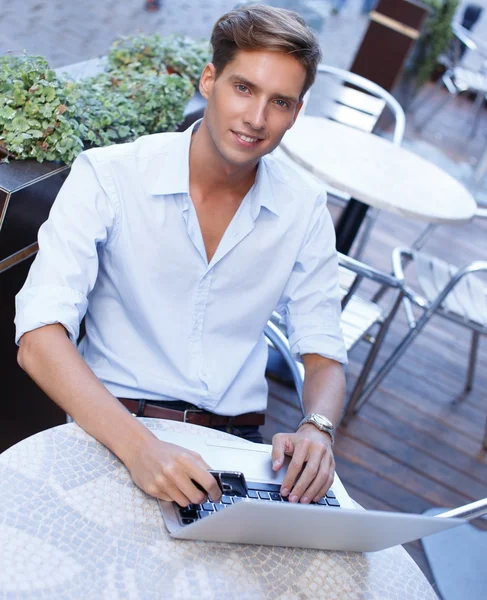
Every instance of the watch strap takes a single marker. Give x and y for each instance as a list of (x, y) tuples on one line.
[(326, 428)]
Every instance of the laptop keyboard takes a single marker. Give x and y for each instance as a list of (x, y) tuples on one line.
[(264, 492)]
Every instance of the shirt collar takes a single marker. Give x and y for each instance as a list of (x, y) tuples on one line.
[(175, 176), (262, 192)]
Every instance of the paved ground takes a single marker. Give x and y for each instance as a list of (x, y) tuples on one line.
[(67, 32)]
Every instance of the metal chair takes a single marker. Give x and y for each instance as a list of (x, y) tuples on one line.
[(355, 101), (458, 79), (361, 319), (277, 340), (456, 294)]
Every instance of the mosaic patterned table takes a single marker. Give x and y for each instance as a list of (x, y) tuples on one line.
[(73, 525)]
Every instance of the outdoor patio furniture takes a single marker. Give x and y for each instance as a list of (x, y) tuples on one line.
[(457, 78), (456, 294), (377, 172), (72, 514), (347, 98)]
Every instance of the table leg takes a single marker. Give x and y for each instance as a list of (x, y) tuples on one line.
[(349, 223)]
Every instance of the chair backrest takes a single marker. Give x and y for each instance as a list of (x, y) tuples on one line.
[(462, 40), (352, 100)]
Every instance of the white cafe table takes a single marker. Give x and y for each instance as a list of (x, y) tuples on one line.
[(73, 525), (377, 173)]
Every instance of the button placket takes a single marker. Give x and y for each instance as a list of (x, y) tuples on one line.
[(201, 299)]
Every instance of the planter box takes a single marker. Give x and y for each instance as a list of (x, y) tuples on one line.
[(27, 191)]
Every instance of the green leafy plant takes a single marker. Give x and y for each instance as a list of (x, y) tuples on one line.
[(121, 106), (437, 34), (174, 54), (48, 117), (37, 114)]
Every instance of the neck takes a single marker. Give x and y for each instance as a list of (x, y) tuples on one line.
[(210, 172)]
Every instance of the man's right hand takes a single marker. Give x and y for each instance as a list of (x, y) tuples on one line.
[(169, 472)]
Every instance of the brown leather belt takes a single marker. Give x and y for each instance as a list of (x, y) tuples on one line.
[(196, 416)]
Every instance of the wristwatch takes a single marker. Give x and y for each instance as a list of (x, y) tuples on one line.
[(322, 423)]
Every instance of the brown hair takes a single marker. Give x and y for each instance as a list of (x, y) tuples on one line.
[(256, 27)]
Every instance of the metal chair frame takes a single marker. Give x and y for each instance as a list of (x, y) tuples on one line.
[(456, 78), (357, 98), (400, 258)]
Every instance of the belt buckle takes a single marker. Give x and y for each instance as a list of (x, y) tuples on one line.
[(191, 410)]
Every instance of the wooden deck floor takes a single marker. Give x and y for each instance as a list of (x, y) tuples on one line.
[(411, 447)]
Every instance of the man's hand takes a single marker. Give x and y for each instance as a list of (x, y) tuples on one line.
[(169, 472), (311, 470)]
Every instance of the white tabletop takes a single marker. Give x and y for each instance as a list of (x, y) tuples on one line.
[(73, 525), (376, 172)]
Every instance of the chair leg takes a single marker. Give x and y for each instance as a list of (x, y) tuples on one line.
[(396, 354), (434, 111), (352, 406), (478, 104), (471, 360)]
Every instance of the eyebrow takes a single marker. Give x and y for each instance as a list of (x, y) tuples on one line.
[(250, 84)]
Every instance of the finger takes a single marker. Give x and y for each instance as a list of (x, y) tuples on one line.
[(295, 467), (173, 494), (318, 484), (278, 451), (193, 479), (328, 483), (307, 479), (205, 480)]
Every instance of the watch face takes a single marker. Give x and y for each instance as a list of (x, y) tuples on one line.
[(323, 421)]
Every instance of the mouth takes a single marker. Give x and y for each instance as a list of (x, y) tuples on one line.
[(246, 140)]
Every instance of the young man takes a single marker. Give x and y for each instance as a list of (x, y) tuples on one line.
[(177, 248)]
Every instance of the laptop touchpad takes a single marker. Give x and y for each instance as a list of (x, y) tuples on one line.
[(254, 460)]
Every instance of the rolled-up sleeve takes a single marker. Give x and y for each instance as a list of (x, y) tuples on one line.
[(64, 272), (310, 304)]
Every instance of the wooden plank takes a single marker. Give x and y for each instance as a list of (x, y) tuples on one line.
[(398, 448), (425, 395), (377, 486), (396, 472), (422, 361), (408, 413), (423, 441)]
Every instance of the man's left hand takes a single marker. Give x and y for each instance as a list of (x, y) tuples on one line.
[(311, 470)]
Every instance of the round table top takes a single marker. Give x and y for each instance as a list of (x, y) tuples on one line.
[(73, 525), (375, 171)]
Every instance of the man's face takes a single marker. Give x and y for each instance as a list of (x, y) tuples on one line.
[(252, 103)]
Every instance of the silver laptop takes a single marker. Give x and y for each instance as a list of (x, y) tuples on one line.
[(262, 516)]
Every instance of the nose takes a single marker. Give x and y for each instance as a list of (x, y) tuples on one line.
[(256, 115)]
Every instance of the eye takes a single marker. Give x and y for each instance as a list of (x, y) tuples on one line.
[(282, 103), (242, 88)]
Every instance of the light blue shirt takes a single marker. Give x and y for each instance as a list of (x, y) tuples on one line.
[(123, 246)]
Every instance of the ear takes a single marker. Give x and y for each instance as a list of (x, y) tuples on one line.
[(207, 80), (298, 108)]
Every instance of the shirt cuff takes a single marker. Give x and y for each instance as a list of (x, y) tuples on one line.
[(44, 305), (327, 345)]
